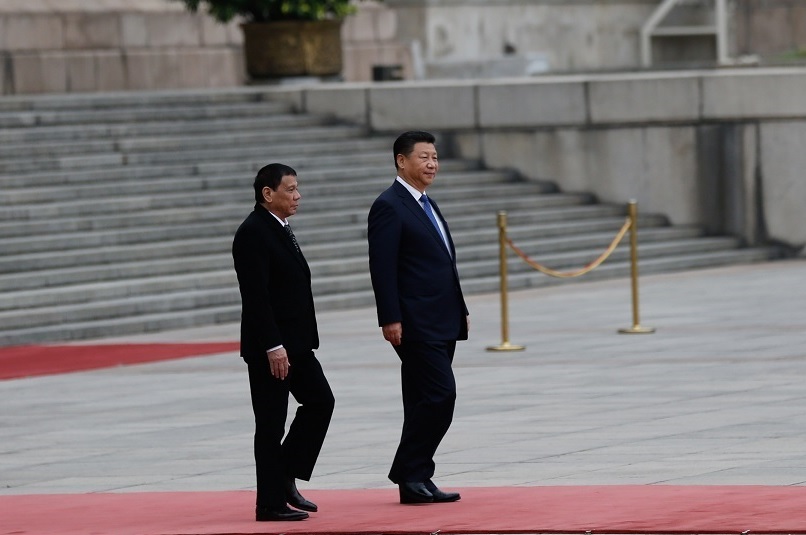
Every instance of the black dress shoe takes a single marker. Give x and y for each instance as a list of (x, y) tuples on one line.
[(414, 493), (285, 513), (439, 496), (294, 498)]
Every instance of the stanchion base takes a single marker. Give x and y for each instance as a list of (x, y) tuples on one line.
[(637, 329), (506, 346)]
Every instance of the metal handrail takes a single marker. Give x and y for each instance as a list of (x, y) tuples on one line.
[(663, 10)]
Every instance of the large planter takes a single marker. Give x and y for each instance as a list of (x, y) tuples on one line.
[(292, 48)]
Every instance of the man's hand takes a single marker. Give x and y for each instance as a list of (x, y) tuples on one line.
[(278, 363), (393, 333)]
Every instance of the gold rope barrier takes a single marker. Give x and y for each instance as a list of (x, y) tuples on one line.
[(587, 269), (631, 224)]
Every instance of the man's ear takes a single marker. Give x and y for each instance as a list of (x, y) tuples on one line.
[(400, 159), (267, 191)]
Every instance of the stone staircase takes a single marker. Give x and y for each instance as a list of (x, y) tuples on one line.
[(117, 212)]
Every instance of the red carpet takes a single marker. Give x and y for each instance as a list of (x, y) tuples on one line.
[(28, 361), (602, 509)]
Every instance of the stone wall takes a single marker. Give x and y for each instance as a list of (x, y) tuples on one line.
[(64, 46), (722, 149), (570, 35), (72, 46)]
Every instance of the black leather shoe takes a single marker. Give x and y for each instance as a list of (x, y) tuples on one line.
[(414, 493), (439, 496), (285, 513), (294, 498)]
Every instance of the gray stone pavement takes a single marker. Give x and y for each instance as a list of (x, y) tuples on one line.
[(715, 396)]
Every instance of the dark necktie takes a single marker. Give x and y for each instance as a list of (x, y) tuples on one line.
[(293, 238), (430, 213)]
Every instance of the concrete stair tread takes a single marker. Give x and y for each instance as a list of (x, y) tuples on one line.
[(152, 113), (320, 256), (58, 259), (535, 279), (345, 167), (30, 134), (131, 144), (313, 187), (548, 222), (577, 259), (116, 326), (461, 199), (131, 99), (211, 270), (288, 152)]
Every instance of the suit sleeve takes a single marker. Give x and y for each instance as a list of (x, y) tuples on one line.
[(383, 233), (253, 267)]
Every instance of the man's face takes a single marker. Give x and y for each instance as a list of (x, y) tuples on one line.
[(420, 167), (285, 200)]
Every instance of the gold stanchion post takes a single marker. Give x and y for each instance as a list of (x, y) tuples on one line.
[(502, 253), (636, 322)]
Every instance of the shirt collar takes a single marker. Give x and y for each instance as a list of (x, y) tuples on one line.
[(283, 223), (414, 191)]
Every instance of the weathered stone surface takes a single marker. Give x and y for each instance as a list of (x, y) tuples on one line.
[(91, 31), (642, 98), (39, 73), (532, 102), (346, 102), (33, 32), (783, 160), (754, 94), (435, 106)]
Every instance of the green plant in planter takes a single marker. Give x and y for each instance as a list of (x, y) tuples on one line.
[(285, 37), (273, 10)]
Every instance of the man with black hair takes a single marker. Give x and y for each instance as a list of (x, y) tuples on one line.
[(421, 310), (278, 339)]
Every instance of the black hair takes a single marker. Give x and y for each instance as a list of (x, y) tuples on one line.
[(404, 144), (270, 176)]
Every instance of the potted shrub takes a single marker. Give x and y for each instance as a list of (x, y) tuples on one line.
[(285, 37)]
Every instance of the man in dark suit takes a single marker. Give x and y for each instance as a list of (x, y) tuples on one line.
[(421, 310), (278, 336)]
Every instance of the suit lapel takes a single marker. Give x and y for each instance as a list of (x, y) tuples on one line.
[(281, 236), (418, 211)]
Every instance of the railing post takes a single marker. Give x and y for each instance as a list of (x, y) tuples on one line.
[(502, 256), (636, 328)]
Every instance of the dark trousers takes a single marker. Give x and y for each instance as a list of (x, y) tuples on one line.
[(275, 458), (429, 397)]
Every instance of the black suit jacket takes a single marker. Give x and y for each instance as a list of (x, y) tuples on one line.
[(275, 284), (413, 275)]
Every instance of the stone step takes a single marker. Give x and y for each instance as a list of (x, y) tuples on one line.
[(196, 313), (69, 132), (98, 300), (131, 99), (647, 266), (286, 151), (376, 180), (352, 258), (570, 232), (310, 168), (127, 145), (460, 198), (49, 117), (97, 235)]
